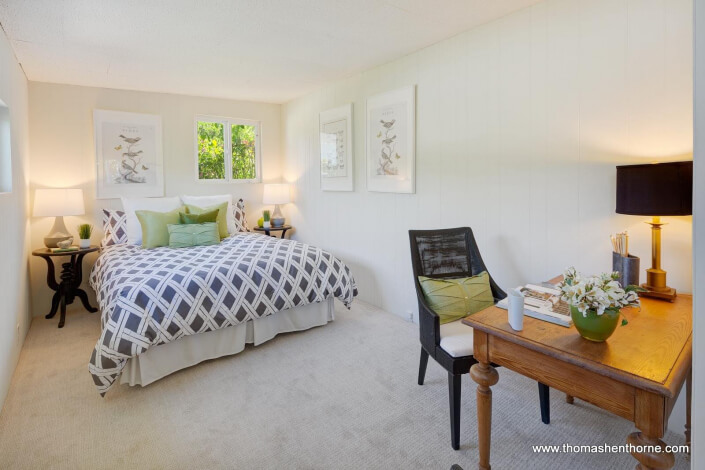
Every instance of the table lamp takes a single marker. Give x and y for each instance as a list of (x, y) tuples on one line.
[(57, 203), (656, 190), (276, 194)]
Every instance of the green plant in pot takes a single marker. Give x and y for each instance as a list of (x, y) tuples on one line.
[(596, 302), (84, 235), (266, 219)]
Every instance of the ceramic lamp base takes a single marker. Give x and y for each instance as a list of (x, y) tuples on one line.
[(58, 233), (278, 219)]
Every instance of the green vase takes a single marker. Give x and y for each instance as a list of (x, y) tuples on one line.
[(595, 327)]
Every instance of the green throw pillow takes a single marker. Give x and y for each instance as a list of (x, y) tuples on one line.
[(201, 218), (154, 230), (453, 299), (183, 235), (222, 218)]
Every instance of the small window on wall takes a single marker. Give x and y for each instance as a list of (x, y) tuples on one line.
[(227, 150), (5, 150)]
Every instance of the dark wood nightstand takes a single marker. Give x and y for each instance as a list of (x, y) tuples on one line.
[(268, 231), (71, 276)]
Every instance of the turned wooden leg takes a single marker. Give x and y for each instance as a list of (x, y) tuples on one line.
[(62, 318), (485, 376), (650, 460), (569, 399), (54, 305), (81, 294), (688, 395)]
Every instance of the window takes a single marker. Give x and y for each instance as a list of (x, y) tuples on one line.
[(5, 150), (227, 150)]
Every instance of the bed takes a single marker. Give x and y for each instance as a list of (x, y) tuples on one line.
[(164, 309)]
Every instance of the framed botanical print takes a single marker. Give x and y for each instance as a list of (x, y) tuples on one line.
[(128, 151), (336, 149), (391, 141)]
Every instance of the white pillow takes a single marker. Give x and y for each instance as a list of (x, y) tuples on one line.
[(206, 201), (157, 204)]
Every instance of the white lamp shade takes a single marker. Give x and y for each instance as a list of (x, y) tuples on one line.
[(58, 202), (276, 194)]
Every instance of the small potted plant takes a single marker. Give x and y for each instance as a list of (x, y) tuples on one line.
[(84, 235), (266, 219), (596, 302)]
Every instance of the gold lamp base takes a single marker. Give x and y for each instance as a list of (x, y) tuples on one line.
[(655, 276), (668, 294)]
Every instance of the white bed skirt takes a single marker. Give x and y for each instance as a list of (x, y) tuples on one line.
[(165, 359)]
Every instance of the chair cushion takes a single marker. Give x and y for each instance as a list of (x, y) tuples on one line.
[(453, 299), (456, 339)]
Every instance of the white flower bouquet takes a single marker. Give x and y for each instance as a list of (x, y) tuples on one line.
[(597, 293)]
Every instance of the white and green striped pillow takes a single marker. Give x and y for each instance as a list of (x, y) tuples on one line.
[(184, 235)]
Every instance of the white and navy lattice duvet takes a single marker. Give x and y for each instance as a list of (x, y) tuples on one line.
[(152, 297)]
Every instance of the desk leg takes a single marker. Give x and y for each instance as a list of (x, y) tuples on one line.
[(485, 376), (650, 418), (650, 460), (688, 394)]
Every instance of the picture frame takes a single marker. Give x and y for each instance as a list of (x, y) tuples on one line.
[(391, 141), (128, 153), (336, 149)]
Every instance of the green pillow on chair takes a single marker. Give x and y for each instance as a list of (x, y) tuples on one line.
[(222, 218), (183, 235), (154, 226), (453, 299), (203, 217)]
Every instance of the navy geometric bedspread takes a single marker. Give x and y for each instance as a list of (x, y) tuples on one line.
[(151, 297)]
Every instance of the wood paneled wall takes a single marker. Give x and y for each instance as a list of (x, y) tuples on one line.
[(520, 124)]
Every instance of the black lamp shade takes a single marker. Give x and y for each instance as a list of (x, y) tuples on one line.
[(655, 189)]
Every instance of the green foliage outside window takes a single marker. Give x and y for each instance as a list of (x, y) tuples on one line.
[(243, 141), (211, 151), (211, 163)]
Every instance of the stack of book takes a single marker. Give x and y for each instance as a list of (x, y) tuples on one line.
[(64, 250), (544, 303)]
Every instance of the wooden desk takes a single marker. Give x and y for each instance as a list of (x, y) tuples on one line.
[(636, 374)]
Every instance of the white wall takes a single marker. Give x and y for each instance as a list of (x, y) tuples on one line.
[(520, 124), (61, 122), (698, 412), (14, 230)]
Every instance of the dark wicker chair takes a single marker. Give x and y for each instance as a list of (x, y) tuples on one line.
[(450, 253)]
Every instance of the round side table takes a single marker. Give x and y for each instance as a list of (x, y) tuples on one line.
[(268, 231), (71, 276)]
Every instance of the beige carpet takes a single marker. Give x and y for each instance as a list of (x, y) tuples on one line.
[(338, 396)]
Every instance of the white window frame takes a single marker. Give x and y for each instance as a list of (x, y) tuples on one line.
[(228, 150)]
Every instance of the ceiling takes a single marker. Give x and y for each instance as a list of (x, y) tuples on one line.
[(259, 50)]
